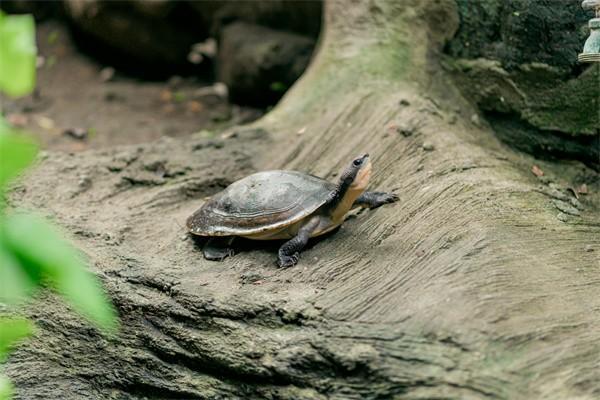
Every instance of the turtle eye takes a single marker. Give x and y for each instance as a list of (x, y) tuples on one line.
[(357, 162)]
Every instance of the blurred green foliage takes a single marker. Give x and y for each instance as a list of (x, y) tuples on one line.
[(6, 391), (11, 331), (39, 250), (16, 152), (33, 253), (17, 54)]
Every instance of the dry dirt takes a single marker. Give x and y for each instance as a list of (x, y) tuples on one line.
[(77, 94)]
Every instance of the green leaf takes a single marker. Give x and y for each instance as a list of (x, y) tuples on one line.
[(52, 37), (41, 249), (16, 153), (17, 54), (15, 284), (11, 331), (179, 97), (278, 87), (6, 389)]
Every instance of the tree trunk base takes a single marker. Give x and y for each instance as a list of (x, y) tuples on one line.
[(482, 282)]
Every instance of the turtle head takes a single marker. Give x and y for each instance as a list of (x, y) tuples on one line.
[(357, 174), (353, 182)]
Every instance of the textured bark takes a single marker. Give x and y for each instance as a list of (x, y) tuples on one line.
[(481, 283)]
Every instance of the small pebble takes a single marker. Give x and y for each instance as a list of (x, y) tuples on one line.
[(84, 182), (207, 48), (17, 119), (405, 132), (562, 217), (220, 89), (106, 74), (537, 171), (428, 146), (195, 58), (175, 81), (76, 133), (45, 122), (112, 96), (583, 189)]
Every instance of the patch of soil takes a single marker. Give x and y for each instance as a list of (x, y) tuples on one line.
[(79, 104)]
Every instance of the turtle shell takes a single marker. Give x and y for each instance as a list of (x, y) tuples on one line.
[(260, 202)]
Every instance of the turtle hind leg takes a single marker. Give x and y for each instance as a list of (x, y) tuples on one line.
[(289, 252), (218, 248)]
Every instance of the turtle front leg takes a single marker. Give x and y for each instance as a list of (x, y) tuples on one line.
[(289, 252), (375, 199), (218, 248)]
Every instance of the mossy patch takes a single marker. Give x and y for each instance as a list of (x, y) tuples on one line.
[(517, 32), (537, 92)]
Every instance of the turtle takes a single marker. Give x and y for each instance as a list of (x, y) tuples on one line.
[(279, 204)]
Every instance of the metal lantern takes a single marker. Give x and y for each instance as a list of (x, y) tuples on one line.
[(591, 48)]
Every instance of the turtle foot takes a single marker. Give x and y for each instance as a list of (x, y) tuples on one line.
[(376, 199), (288, 261), (216, 249), (382, 198), (218, 254)]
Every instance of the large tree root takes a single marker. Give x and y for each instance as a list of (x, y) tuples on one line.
[(481, 283)]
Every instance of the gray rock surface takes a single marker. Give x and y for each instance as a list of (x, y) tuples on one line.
[(299, 16), (136, 34), (258, 64), (517, 60)]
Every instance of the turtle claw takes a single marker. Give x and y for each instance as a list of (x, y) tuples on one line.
[(217, 249), (288, 261), (389, 198), (228, 253), (213, 255), (380, 198)]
